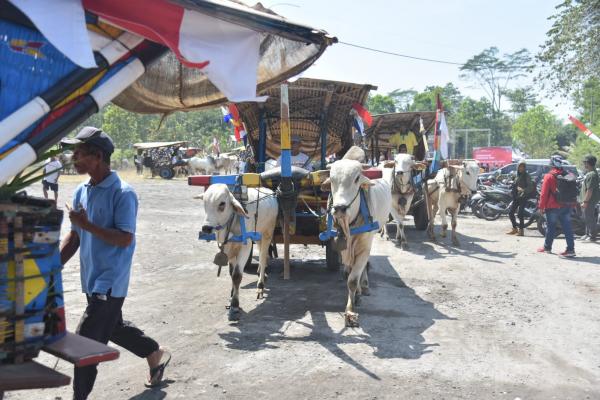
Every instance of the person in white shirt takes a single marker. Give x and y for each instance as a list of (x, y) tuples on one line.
[(299, 159), (50, 181)]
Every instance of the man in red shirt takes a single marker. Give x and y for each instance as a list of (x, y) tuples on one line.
[(555, 211)]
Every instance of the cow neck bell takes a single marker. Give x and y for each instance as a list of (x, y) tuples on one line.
[(220, 260)]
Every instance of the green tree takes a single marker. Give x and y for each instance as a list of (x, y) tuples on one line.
[(381, 104), (121, 125), (535, 132), (494, 73), (521, 99), (126, 128), (587, 100), (472, 113), (584, 146), (402, 98), (571, 53), (567, 134), (450, 97)]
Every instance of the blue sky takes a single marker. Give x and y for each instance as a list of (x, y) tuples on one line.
[(452, 30)]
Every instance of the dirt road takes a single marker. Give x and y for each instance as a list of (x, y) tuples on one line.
[(489, 320)]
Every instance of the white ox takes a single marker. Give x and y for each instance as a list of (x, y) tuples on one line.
[(345, 182), (201, 165), (224, 164), (398, 174), (445, 190), (222, 210)]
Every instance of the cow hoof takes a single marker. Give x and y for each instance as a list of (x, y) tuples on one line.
[(351, 319), (455, 242), (357, 300), (260, 294), (404, 245), (443, 234), (365, 291), (234, 314)]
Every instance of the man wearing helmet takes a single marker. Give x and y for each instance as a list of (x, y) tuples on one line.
[(556, 210), (590, 195)]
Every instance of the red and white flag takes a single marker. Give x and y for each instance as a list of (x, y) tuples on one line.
[(228, 53), (363, 113)]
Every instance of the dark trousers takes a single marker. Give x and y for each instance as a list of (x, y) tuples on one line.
[(589, 214), (103, 321), (520, 205)]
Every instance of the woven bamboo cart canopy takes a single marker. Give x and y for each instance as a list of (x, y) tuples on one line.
[(314, 104), (386, 125), (287, 48)]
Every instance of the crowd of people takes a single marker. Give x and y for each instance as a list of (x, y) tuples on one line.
[(558, 196)]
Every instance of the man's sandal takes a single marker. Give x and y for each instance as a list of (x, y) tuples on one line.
[(156, 373)]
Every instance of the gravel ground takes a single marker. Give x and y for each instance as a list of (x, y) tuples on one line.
[(489, 320)]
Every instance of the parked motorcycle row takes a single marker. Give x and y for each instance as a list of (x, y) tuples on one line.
[(494, 199)]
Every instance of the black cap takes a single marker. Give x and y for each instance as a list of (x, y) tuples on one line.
[(95, 137)]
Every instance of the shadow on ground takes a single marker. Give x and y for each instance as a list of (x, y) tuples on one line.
[(469, 247), (392, 319)]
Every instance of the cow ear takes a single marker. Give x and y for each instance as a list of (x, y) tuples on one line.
[(365, 182), (237, 207), (199, 196), (389, 164), (326, 185)]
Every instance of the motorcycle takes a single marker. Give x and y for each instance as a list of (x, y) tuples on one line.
[(577, 222), (490, 204)]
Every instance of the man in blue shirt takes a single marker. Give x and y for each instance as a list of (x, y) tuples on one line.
[(103, 218)]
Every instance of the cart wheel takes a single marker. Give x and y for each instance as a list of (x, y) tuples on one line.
[(420, 217), (166, 173), (332, 257)]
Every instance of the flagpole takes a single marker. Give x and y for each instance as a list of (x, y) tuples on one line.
[(586, 131), (286, 186)]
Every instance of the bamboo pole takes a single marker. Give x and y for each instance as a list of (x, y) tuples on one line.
[(3, 274), (19, 286), (286, 173)]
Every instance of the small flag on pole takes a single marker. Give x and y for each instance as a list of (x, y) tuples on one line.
[(364, 114)]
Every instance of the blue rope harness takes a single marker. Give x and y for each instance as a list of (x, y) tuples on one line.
[(242, 237), (368, 226)]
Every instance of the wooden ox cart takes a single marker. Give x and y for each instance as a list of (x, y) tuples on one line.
[(378, 138), (319, 112)]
